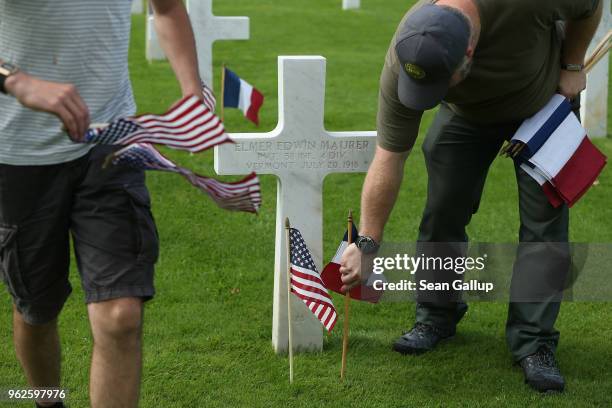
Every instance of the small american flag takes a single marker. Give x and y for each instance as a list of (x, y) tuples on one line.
[(243, 195), (190, 125), (306, 282)]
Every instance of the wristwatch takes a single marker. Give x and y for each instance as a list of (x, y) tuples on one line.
[(572, 67), (367, 245), (6, 70)]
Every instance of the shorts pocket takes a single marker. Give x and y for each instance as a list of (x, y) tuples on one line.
[(147, 239), (9, 262)]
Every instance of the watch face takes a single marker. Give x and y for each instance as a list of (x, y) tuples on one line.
[(361, 241), (367, 245), (573, 67), (7, 69)]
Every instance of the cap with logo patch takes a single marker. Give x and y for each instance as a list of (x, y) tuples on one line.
[(430, 47)]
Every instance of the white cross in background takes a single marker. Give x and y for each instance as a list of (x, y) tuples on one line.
[(153, 50), (207, 28), (350, 4), (137, 7), (301, 153), (594, 109)]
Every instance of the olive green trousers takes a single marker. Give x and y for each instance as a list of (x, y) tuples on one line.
[(458, 155)]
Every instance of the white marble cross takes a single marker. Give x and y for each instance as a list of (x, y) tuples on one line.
[(350, 4), (153, 50), (594, 109), (207, 28), (137, 7), (301, 153)]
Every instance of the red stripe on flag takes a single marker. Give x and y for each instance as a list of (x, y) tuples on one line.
[(189, 125), (311, 299), (310, 288), (332, 316), (257, 100), (553, 196), (580, 172), (307, 277)]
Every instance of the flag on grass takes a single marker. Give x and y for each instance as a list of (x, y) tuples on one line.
[(332, 277), (558, 154), (243, 195), (237, 93), (307, 284), (190, 125)]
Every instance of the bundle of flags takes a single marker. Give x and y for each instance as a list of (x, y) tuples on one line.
[(332, 277), (189, 125), (243, 195), (306, 282), (238, 93), (554, 149)]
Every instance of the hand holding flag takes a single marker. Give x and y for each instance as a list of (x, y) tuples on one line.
[(333, 278), (557, 153)]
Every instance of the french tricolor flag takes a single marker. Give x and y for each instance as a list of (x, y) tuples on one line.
[(332, 278), (237, 93), (558, 154)]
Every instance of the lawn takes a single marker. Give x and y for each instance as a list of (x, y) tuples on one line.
[(208, 331)]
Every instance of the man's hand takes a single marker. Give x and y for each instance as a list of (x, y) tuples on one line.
[(199, 94), (62, 100), (572, 83), (350, 268)]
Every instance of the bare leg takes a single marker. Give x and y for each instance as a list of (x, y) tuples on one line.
[(38, 350), (117, 357)]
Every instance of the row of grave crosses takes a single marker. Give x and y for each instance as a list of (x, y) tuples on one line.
[(209, 28)]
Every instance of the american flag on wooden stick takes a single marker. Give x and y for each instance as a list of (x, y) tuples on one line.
[(190, 125), (306, 282), (243, 195)]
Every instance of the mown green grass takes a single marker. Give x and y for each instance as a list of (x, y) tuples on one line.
[(207, 333)]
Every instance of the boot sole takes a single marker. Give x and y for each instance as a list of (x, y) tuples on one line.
[(546, 388)]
